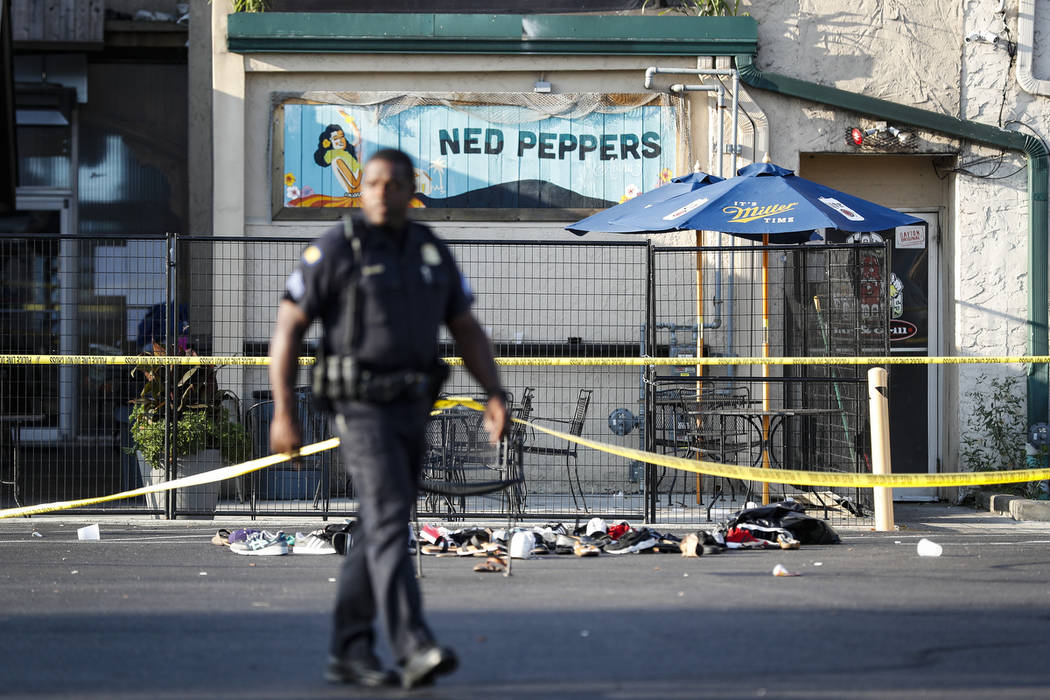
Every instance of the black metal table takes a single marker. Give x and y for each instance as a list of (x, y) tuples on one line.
[(765, 422)]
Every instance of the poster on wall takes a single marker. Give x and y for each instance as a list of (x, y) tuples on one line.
[(471, 155)]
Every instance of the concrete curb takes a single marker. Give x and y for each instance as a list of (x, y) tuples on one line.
[(1014, 506)]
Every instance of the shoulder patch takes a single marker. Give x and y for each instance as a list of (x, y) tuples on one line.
[(312, 255), (296, 286), (466, 287)]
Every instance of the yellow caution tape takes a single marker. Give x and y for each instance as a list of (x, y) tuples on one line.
[(195, 480), (151, 360), (775, 476), (782, 476), (725, 361), (143, 360)]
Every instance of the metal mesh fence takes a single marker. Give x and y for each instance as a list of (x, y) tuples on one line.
[(821, 300), (77, 431)]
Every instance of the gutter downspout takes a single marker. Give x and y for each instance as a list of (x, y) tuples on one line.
[(1025, 44), (1038, 161), (702, 325)]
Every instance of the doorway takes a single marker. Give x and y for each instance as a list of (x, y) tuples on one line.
[(914, 332), (907, 183)]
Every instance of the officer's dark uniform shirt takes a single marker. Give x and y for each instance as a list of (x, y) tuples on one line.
[(405, 292)]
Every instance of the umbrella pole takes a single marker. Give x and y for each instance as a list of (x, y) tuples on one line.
[(699, 338), (765, 367)]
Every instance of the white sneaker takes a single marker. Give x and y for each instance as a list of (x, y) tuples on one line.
[(312, 544)]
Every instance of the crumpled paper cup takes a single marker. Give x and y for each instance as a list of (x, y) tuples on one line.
[(89, 533), (928, 548), (781, 570)]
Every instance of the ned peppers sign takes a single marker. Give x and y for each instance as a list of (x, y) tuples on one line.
[(464, 158)]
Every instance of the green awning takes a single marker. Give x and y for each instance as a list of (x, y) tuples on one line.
[(324, 32)]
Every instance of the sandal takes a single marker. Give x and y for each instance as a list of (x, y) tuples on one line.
[(585, 550), (492, 565)]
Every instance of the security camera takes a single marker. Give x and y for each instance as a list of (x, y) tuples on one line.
[(898, 134)]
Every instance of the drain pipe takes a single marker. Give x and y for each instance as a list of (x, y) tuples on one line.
[(716, 301), (1025, 44), (1034, 151), (760, 136), (654, 70)]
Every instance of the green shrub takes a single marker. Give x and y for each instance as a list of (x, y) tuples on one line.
[(202, 421), (995, 434)]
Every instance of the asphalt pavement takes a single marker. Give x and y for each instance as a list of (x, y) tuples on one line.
[(153, 610)]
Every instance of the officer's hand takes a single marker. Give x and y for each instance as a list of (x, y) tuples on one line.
[(285, 434), (496, 421)]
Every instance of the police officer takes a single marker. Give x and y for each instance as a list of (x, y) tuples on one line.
[(381, 287)]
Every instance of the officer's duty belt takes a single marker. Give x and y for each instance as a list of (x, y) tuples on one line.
[(342, 378)]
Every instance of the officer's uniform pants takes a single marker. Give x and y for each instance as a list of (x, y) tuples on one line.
[(382, 450)]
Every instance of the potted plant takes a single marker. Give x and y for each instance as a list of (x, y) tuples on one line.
[(205, 434)]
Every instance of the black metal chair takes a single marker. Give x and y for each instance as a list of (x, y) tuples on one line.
[(459, 463), (314, 426), (575, 428), (517, 437)]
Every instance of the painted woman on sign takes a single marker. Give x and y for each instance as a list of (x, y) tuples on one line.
[(333, 149)]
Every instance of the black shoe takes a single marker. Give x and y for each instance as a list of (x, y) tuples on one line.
[(366, 672), (564, 544), (426, 663), (634, 540)]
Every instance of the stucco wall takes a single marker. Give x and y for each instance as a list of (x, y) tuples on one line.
[(892, 49), (915, 54), (912, 53)]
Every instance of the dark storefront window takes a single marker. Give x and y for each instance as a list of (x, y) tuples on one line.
[(29, 312)]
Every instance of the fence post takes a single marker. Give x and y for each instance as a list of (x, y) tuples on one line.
[(170, 416), (649, 373)]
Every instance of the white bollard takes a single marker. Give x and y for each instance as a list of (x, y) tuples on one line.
[(879, 417)]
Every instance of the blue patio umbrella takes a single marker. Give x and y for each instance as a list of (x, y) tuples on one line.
[(606, 220), (763, 200)]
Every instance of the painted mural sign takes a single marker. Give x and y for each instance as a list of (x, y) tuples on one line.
[(463, 160)]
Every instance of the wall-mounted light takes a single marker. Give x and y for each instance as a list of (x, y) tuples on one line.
[(541, 86)]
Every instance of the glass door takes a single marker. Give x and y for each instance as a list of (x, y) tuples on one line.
[(914, 405)]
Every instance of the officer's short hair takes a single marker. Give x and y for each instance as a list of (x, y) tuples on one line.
[(399, 159)]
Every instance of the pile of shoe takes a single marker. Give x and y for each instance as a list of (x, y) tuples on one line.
[(621, 538), (702, 542), (263, 543), (442, 542)]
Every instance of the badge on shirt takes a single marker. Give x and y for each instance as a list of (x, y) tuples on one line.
[(311, 255), (430, 254)]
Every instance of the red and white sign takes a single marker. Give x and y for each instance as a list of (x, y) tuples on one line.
[(901, 330), (911, 237)]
